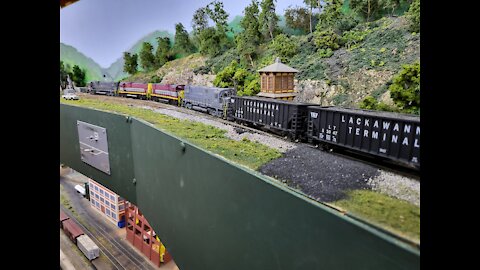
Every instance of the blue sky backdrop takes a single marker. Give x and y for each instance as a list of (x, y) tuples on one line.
[(104, 29)]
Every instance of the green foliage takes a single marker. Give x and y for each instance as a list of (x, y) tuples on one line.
[(380, 44), (78, 76), (219, 62), (369, 9), (377, 93), (163, 53), (325, 53), (352, 37), (298, 18), (405, 89), (156, 79), (326, 39), (211, 41), (225, 77), (199, 21), (131, 64), (268, 19), (311, 4), (252, 87), (283, 47), (331, 15), (147, 59), (202, 70), (393, 214), (413, 15), (339, 99), (239, 78), (306, 60), (219, 16), (347, 22), (249, 39), (248, 153), (63, 75), (371, 103), (183, 45)]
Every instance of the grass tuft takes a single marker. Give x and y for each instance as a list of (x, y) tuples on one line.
[(390, 213)]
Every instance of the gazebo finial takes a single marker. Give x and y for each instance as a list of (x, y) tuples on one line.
[(277, 60)]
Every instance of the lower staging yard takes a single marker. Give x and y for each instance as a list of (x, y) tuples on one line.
[(322, 176), (115, 251)]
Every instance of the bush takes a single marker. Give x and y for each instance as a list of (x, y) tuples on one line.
[(340, 99), (405, 89), (325, 53), (156, 79), (370, 103), (354, 37), (218, 63), (202, 70), (347, 22), (284, 47), (234, 75), (326, 39), (413, 15)]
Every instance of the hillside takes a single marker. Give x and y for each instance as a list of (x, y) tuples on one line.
[(343, 79), (71, 56), (116, 68)]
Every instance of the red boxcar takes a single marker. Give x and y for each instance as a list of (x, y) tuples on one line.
[(72, 230), (63, 217)]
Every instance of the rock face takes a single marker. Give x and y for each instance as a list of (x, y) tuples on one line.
[(180, 71), (315, 91), (361, 83)]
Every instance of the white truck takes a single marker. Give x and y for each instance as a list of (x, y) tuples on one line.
[(69, 94)]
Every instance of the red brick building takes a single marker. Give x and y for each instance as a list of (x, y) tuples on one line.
[(143, 237)]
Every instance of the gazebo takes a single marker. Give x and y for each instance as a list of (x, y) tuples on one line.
[(277, 81)]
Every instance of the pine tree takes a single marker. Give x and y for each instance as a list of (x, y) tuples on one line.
[(249, 39), (297, 18), (163, 53), (78, 76), (147, 59), (182, 41), (131, 64), (268, 19), (312, 4)]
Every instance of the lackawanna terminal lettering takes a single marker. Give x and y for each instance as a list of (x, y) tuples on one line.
[(407, 129)]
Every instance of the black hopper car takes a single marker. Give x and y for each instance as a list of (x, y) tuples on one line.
[(285, 118), (385, 135)]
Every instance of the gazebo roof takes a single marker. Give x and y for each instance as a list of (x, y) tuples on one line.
[(278, 66)]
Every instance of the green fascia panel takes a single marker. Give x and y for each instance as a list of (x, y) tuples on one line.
[(213, 214), (119, 146)]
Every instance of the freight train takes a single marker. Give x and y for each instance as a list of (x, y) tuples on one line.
[(78, 237), (383, 135)]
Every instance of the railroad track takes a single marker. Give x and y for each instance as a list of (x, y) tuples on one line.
[(118, 255), (383, 165)]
